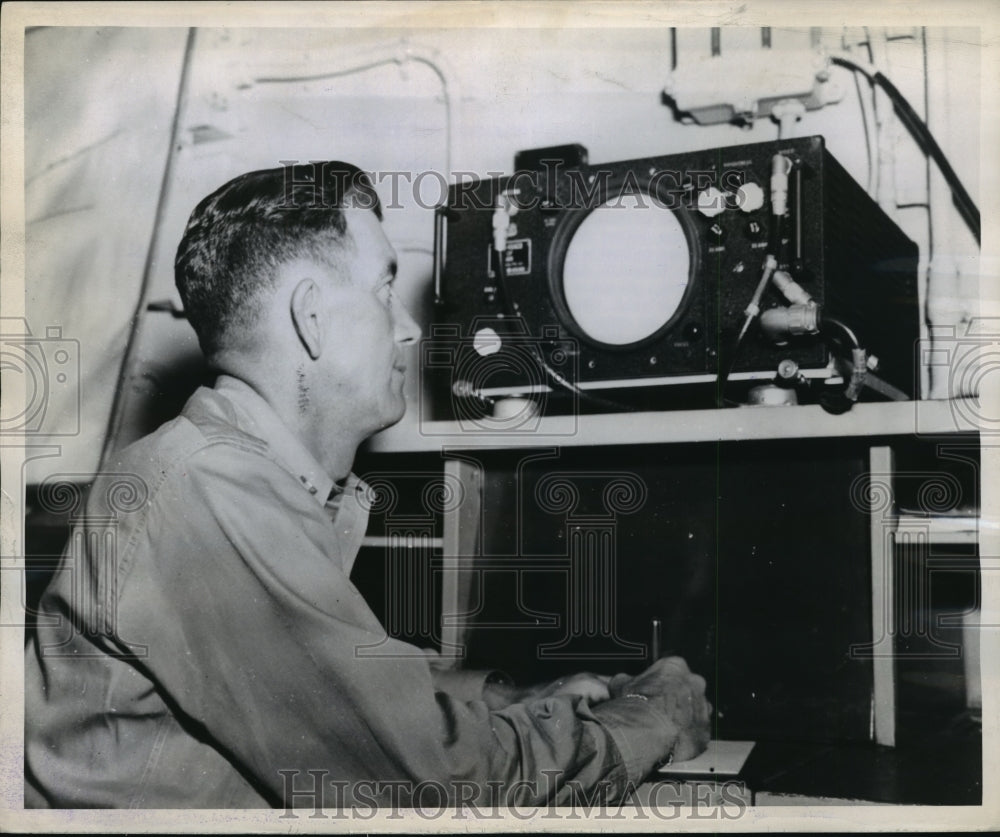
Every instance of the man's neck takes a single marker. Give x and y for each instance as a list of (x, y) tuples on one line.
[(334, 450), (330, 440)]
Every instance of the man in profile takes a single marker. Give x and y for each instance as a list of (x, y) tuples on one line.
[(208, 658)]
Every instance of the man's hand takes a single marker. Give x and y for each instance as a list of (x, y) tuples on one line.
[(669, 686)]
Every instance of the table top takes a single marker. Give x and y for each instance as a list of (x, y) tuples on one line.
[(898, 418), (940, 765)]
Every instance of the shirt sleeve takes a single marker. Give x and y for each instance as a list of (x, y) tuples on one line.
[(461, 684), (234, 597)]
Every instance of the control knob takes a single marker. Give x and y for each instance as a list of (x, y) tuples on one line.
[(711, 202), (749, 197)]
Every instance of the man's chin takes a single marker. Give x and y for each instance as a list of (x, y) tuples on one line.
[(392, 418)]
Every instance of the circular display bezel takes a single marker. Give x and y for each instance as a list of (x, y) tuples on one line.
[(569, 224)]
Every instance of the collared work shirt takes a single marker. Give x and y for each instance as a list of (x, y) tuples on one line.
[(202, 645)]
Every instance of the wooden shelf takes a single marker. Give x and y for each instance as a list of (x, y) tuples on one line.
[(386, 542), (902, 418), (941, 529)]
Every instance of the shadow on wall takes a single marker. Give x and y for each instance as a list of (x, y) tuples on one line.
[(163, 389)]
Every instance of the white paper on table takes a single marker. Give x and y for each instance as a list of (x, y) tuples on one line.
[(721, 758)]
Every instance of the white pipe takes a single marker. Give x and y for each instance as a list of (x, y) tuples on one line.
[(788, 112), (885, 123), (944, 305), (866, 106)]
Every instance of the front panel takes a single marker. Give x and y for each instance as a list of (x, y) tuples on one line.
[(639, 273)]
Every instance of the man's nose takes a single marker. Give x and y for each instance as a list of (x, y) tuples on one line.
[(407, 330)]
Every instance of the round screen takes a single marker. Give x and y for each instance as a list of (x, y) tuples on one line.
[(626, 270)]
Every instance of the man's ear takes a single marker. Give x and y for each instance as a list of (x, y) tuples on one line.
[(306, 316)]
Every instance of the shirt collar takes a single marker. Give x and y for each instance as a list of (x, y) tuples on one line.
[(264, 423)]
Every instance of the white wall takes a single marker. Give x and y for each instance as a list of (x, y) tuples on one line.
[(99, 104)]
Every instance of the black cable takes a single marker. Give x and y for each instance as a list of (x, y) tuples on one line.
[(837, 402), (829, 326), (921, 133)]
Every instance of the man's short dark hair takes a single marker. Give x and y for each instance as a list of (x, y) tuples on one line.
[(239, 235)]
